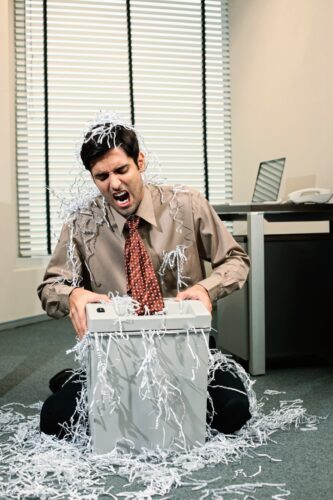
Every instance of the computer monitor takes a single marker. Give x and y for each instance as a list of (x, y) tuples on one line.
[(268, 182)]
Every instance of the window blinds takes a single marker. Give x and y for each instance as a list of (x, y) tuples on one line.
[(167, 84), (87, 72), (218, 101), (162, 63), (30, 155)]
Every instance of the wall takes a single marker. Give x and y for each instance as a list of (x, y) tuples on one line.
[(282, 94), (282, 90), (19, 277)]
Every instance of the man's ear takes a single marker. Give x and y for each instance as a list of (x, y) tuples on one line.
[(141, 162)]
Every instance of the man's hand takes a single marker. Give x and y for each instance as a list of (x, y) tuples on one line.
[(77, 308), (196, 292)]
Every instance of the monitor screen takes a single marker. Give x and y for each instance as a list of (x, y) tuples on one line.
[(268, 181)]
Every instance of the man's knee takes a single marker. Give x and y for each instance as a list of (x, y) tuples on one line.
[(230, 402), (58, 411)]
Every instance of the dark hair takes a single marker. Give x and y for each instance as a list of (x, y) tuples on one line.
[(101, 138)]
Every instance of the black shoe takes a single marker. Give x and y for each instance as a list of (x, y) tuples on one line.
[(235, 414), (59, 379)]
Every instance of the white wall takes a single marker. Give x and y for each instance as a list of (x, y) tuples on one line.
[(282, 89), (282, 94), (19, 277)]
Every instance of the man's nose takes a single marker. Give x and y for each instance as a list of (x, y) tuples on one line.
[(114, 184)]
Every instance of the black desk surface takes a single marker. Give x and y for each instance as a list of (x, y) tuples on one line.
[(284, 212)]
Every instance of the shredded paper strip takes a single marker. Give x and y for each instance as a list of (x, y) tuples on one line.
[(34, 465)]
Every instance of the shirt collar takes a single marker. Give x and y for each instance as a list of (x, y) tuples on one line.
[(145, 211)]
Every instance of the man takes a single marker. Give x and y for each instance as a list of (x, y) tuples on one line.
[(179, 231)]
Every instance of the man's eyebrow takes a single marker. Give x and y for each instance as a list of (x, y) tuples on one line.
[(104, 172), (121, 166), (97, 174)]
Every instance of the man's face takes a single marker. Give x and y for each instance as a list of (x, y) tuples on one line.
[(119, 180)]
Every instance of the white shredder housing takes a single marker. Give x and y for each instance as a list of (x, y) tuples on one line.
[(147, 376)]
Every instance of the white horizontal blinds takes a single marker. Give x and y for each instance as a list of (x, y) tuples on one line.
[(167, 84), (88, 69), (87, 72), (30, 128), (218, 112)]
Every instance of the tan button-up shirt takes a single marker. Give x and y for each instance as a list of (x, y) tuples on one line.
[(176, 222)]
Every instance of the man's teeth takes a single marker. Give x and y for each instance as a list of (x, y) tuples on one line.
[(121, 197)]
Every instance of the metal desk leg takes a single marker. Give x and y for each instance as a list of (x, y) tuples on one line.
[(257, 354)]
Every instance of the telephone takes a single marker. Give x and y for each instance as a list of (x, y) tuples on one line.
[(310, 195)]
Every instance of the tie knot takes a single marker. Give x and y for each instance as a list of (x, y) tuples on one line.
[(133, 222)]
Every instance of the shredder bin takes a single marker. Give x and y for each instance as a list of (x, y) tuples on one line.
[(156, 402)]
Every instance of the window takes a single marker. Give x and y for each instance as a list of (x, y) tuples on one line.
[(161, 64)]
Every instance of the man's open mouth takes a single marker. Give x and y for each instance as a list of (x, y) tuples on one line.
[(122, 198)]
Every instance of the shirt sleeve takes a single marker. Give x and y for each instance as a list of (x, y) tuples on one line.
[(62, 275), (230, 263)]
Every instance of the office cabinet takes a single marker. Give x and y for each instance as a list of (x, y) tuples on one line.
[(298, 300)]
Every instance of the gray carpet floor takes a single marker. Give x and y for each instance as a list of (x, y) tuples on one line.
[(30, 355)]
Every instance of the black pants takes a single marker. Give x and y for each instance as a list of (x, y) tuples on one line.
[(231, 407)]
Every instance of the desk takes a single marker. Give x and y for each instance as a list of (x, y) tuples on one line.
[(255, 216)]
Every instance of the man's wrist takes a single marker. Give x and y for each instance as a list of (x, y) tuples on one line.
[(203, 288), (74, 288)]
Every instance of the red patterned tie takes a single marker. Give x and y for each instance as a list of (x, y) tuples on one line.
[(142, 284)]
